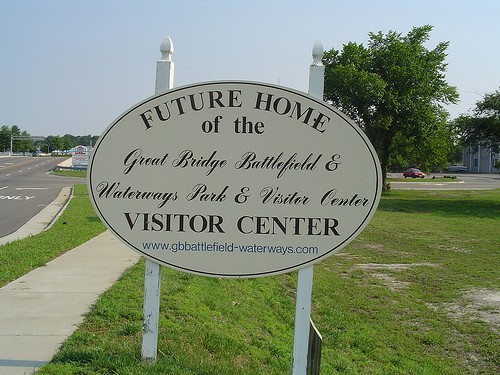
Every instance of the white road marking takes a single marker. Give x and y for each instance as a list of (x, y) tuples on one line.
[(16, 197), (31, 188)]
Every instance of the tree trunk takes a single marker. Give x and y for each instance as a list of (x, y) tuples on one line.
[(384, 161), (384, 176)]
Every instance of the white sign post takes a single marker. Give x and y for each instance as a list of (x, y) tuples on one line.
[(305, 275), (151, 305), (235, 179)]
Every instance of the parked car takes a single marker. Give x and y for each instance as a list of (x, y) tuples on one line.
[(457, 168), (413, 173)]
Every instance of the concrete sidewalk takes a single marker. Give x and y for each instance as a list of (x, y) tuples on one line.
[(41, 309)]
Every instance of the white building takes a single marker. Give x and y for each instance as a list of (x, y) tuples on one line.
[(481, 159)]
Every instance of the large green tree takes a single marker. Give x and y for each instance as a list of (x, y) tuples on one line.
[(483, 126), (395, 89)]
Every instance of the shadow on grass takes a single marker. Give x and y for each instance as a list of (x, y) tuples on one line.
[(450, 204)]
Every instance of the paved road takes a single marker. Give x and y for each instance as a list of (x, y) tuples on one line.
[(463, 182), (26, 188)]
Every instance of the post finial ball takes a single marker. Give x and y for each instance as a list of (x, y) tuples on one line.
[(166, 48), (317, 53)]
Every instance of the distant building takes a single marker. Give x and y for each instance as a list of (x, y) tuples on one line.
[(481, 159)]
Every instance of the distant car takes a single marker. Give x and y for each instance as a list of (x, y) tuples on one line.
[(413, 173), (457, 168)]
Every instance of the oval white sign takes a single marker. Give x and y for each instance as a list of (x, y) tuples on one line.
[(234, 179)]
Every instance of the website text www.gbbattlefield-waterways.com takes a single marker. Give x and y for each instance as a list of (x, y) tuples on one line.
[(228, 247)]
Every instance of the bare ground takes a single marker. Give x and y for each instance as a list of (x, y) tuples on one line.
[(474, 304)]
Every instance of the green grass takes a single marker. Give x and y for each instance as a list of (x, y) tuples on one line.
[(417, 317), (70, 173), (77, 224)]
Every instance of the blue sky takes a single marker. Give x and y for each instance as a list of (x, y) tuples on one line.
[(74, 66)]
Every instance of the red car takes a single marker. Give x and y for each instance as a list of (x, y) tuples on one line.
[(413, 173)]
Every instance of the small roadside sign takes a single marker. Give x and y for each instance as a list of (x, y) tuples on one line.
[(80, 157)]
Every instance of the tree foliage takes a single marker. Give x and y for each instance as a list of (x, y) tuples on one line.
[(49, 144), (5, 134), (395, 89), (483, 126)]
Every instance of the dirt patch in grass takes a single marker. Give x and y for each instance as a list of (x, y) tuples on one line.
[(455, 249), (389, 281), (393, 266), (346, 255), (373, 246), (477, 304)]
